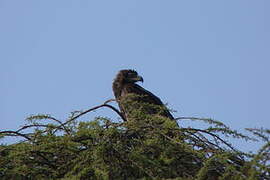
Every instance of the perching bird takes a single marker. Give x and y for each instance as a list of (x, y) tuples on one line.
[(132, 97)]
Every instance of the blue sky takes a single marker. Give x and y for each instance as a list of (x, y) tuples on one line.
[(203, 58)]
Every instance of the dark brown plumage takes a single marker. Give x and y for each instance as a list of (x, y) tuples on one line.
[(124, 87)]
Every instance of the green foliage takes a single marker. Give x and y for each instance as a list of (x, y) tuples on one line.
[(145, 147)]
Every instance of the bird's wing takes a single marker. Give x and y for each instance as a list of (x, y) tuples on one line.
[(146, 97)]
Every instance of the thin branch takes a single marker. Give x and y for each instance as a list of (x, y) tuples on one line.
[(61, 124), (205, 141), (32, 125), (212, 134), (97, 107), (116, 110), (8, 133), (192, 118)]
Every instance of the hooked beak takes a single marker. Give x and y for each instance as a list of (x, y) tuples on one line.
[(138, 78)]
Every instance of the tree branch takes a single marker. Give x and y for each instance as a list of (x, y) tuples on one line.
[(94, 108), (7, 133)]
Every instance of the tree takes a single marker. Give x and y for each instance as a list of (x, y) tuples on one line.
[(146, 147)]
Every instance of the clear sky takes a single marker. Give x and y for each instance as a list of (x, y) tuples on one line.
[(203, 58)]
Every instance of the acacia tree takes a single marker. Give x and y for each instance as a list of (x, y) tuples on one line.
[(146, 147)]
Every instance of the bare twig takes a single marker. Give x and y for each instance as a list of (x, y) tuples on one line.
[(94, 108), (8, 133)]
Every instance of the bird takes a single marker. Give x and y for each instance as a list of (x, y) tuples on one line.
[(132, 97)]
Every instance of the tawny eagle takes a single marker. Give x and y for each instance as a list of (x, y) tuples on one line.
[(124, 86)]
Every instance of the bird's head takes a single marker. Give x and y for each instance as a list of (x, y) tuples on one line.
[(129, 76)]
